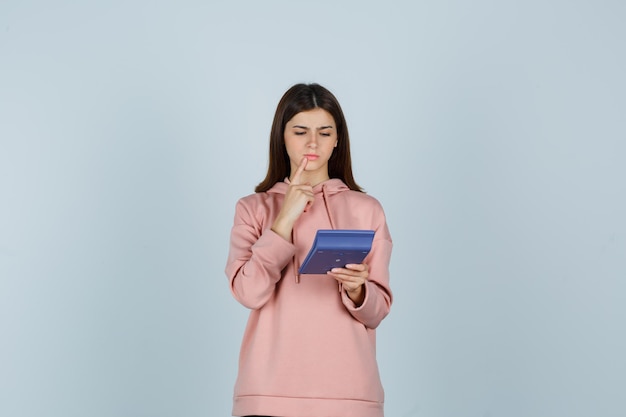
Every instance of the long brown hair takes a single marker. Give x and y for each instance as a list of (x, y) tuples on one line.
[(299, 98)]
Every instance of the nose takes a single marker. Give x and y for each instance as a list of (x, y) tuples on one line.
[(312, 143)]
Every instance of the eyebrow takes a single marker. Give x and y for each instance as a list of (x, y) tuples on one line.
[(305, 127)]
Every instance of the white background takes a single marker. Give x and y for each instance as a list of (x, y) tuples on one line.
[(493, 133)]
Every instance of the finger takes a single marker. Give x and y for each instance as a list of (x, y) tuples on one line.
[(348, 274), (341, 272), (354, 270), (298, 173), (305, 188), (348, 281), (357, 267)]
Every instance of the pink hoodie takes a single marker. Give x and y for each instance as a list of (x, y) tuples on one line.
[(307, 350)]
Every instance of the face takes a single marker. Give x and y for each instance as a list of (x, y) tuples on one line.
[(311, 134)]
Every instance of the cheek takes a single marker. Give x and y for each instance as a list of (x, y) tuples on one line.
[(290, 146)]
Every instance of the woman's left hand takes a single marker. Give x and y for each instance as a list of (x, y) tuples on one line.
[(353, 278)]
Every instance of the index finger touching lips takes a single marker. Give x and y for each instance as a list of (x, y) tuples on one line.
[(301, 167)]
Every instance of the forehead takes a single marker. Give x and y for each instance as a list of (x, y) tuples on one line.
[(312, 118)]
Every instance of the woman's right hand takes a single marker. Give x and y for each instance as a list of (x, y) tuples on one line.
[(298, 198)]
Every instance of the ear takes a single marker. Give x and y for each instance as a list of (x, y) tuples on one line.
[(336, 143)]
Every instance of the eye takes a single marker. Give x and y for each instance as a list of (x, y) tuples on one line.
[(299, 133), (325, 134)]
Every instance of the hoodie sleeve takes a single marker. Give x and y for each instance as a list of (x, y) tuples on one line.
[(378, 296), (255, 260)]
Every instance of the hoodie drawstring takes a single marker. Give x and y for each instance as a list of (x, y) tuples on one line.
[(330, 217), (332, 223), (295, 262), (332, 226)]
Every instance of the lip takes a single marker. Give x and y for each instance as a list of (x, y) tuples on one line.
[(311, 156)]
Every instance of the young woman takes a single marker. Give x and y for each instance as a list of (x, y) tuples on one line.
[(309, 348)]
